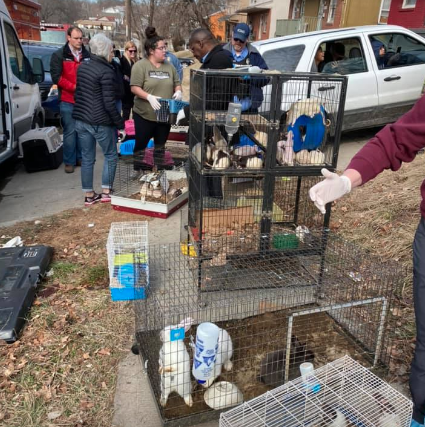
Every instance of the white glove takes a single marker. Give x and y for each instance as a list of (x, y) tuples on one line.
[(331, 188), (153, 100), (180, 116), (177, 95)]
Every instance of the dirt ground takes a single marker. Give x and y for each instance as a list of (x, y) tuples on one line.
[(62, 371)]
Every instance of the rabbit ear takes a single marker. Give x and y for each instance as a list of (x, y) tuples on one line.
[(186, 323)]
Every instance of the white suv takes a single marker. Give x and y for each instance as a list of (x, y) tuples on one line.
[(380, 88)]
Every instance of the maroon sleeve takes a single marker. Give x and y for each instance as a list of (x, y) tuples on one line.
[(396, 143)]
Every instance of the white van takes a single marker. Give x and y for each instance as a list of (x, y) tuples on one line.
[(20, 103)]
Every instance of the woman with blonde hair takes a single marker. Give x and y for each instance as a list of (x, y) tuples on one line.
[(127, 61)]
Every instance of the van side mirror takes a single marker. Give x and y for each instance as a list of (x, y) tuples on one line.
[(37, 70)]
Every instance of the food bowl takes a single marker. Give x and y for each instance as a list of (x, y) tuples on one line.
[(223, 395)]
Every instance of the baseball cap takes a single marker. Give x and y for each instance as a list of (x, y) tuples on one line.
[(241, 32)]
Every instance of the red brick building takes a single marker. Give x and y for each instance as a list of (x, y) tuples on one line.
[(407, 13), (25, 15)]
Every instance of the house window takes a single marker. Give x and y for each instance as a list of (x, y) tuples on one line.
[(408, 4), (384, 12), (331, 12)]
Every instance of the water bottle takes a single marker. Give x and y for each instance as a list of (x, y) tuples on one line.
[(205, 351), (310, 383)]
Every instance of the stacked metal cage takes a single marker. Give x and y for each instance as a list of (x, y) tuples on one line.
[(340, 393), (253, 177), (257, 258), (313, 303)]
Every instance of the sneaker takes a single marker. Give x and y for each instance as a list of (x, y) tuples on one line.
[(92, 200), (69, 168), (105, 197)]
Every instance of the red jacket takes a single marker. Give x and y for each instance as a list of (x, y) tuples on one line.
[(396, 143), (63, 69)]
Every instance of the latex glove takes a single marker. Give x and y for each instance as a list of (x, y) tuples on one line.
[(177, 95), (153, 100), (331, 188), (246, 104), (180, 116)]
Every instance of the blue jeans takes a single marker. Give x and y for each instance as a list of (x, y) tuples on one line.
[(104, 135), (71, 144)]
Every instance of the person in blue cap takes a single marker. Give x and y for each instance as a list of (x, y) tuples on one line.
[(379, 52), (246, 55)]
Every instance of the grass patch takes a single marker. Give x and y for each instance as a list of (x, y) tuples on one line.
[(63, 270)]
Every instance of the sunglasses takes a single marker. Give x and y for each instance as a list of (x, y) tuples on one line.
[(132, 50), (238, 40)]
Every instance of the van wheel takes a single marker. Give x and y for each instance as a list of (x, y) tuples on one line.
[(37, 122)]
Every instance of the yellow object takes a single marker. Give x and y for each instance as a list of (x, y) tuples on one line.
[(187, 249), (121, 259)]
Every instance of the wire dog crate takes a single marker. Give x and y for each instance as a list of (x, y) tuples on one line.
[(127, 260), (278, 309), (260, 205), (150, 193), (292, 122), (340, 393)]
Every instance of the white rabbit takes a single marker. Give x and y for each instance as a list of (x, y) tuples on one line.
[(224, 354), (174, 364)]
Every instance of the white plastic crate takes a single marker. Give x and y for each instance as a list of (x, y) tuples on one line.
[(128, 262), (49, 135), (341, 393)]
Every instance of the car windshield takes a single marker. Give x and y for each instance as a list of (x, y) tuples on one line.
[(39, 52)]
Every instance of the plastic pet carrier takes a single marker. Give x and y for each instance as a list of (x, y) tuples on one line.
[(41, 149)]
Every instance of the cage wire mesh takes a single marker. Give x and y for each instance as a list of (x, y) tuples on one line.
[(279, 308), (291, 121), (162, 186), (128, 263), (341, 393), (269, 205)]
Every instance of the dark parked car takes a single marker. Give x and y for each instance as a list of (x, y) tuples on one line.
[(186, 61), (48, 91)]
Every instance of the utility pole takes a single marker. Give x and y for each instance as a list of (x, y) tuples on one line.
[(128, 19)]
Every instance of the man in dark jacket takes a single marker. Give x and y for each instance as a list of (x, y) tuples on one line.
[(63, 69), (211, 54), (246, 55), (97, 118), (394, 144)]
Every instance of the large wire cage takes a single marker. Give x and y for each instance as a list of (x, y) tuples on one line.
[(158, 186), (283, 122), (340, 393), (278, 309), (268, 205)]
